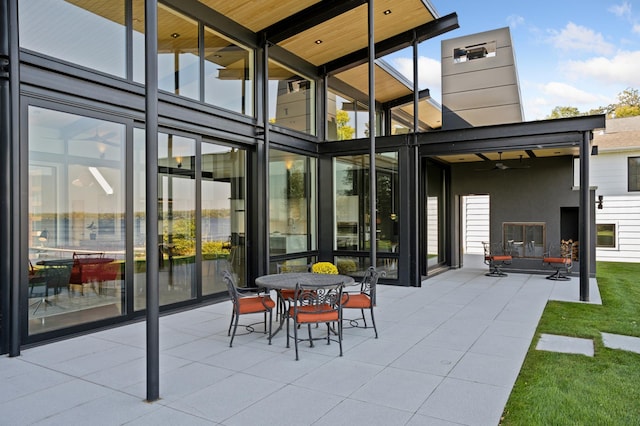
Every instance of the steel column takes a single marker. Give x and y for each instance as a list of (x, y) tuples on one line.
[(151, 139), (10, 159), (372, 136), (5, 161), (585, 217)]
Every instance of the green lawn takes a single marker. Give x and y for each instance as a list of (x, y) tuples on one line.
[(567, 389)]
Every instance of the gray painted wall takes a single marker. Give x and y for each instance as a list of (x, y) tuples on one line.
[(534, 194), (483, 91)]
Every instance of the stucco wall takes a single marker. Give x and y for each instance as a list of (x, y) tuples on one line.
[(534, 194)]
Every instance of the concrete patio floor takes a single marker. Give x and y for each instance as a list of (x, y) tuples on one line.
[(448, 354)]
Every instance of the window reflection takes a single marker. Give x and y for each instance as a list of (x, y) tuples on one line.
[(291, 99), (291, 203), (228, 70), (352, 207), (223, 216), (176, 218), (178, 56), (70, 30), (76, 219)]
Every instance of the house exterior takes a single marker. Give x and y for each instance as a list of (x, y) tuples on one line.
[(150, 146), (615, 174)]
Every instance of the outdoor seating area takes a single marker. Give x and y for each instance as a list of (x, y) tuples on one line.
[(496, 257), (560, 258), (450, 351)]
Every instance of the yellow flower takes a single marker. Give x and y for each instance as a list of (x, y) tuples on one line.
[(324, 268)]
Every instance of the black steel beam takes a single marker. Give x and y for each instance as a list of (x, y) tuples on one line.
[(5, 160), (502, 144), (393, 44), (153, 262), (308, 18), (404, 100), (585, 218), (515, 130)]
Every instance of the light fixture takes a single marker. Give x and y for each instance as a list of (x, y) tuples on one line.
[(594, 150), (101, 180), (318, 41), (387, 12), (179, 162), (44, 236), (175, 35)]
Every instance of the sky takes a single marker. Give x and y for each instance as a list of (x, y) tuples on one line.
[(568, 53)]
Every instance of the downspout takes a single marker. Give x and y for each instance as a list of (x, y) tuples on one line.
[(373, 192), (585, 217), (151, 140)]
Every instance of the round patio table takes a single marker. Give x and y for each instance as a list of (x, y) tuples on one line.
[(288, 281)]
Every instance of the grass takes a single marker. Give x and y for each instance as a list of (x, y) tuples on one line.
[(569, 389)]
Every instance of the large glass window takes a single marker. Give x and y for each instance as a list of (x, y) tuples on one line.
[(178, 54), (223, 216), (634, 173), (291, 99), (176, 218), (347, 118), (292, 203), (91, 34), (352, 211), (221, 221), (228, 73), (76, 225)]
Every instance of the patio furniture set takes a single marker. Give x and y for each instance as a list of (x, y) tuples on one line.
[(304, 298)]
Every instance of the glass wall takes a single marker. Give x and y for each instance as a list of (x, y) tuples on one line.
[(213, 227), (92, 37), (223, 216), (292, 99), (76, 219), (348, 118), (178, 54), (292, 203), (228, 73), (352, 211)]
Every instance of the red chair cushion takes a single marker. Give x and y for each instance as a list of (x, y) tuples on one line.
[(357, 301), (501, 258), (561, 260), (313, 314), (249, 305)]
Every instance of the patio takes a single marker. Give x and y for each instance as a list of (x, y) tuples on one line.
[(448, 353)]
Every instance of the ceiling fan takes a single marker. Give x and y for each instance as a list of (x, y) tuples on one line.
[(105, 138), (502, 166)]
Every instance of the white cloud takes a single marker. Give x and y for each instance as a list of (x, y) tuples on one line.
[(429, 72), (565, 94), (636, 28), (621, 10), (578, 38), (515, 20), (623, 69)]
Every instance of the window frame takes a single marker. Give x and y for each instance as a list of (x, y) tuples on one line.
[(633, 177)]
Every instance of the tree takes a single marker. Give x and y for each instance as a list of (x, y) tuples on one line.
[(564, 112), (629, 97), (627, 111), (345, 132), (628, 103)]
